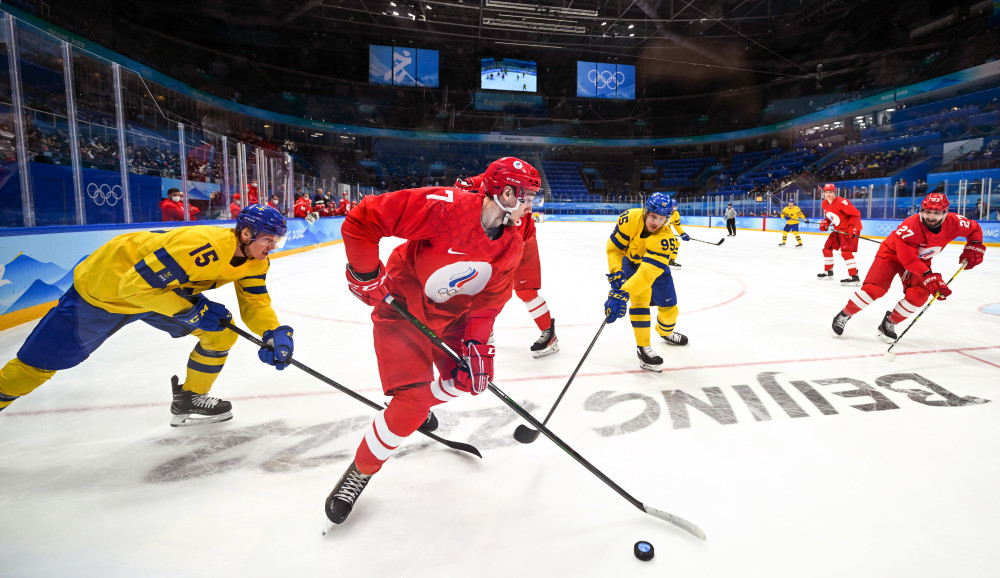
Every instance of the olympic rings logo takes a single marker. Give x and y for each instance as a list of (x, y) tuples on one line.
[(884, 228), (105, 194), (606, 78)]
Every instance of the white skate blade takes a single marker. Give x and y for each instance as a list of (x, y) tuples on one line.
[(189, 419), (851, 284), (648, 367), (547, 351), (885, 338)]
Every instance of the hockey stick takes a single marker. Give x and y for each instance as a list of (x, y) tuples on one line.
[(889, 355), (453, 445), (722, 240), (525, 434), (849, 236), (666, 516)]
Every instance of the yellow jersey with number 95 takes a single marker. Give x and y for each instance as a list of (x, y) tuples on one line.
[(652, 251)]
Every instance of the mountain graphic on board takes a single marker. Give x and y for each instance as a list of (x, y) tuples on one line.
[(39, 292), (22, 272)]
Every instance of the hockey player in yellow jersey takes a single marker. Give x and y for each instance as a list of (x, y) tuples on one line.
[(159, 277), (792, 215), (675, 222), (639, 253)]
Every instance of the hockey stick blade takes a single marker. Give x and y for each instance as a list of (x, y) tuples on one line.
[(525, 434), (462, 447), (722, 240), (523, 413), (689, 527)]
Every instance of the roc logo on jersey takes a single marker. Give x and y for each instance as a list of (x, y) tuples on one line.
[(833, 218), (928, 252), (461, 278)]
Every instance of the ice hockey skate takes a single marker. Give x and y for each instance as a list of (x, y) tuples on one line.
[(887, 330), (839, 321), (341, 500), (852, 281), (674, 263), (799, 245), (547, 343), (191, 408), (648, 359), (825, 275), (675, 338), (781, 244)]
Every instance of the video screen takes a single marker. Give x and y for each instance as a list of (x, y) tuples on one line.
[(508, 74), (604, 80), (402, 66)]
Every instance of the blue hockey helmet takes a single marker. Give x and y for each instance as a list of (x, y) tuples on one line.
[(261, 219), (660, 204)]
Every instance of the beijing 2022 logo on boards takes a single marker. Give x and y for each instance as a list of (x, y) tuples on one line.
[(461, 278)]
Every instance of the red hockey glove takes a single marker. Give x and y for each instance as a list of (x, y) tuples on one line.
[(935, 284), (479, 361), (371, 287), (973, 253), (824, 224), (852, 231)]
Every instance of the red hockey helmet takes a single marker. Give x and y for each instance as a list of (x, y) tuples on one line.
[(935, 202), (514, 172), (829, 187)]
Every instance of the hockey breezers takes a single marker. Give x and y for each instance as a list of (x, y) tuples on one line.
[(666, 516), (889, 355), (453, 445), (525, 434)]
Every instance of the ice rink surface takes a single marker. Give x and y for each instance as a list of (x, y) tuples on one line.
[(798, 453)]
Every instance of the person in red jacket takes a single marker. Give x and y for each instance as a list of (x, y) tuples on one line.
[(273, 203), (303, 207), (252, 193), (344, 206), (846, 221), (454, 272), (320, 208), (234, 207), (172, 207), (528, 279), (907, 253)]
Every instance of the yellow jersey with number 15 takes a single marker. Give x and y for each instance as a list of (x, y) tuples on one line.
[(157, 270)]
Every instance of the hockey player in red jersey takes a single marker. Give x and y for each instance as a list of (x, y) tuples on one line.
[(344, 206), (455, 272), (528, 280), (846, 221), (907, 252)]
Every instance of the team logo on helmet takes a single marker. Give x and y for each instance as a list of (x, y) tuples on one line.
[(518, 165)]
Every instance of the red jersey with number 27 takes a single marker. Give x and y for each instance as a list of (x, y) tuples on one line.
[(448, 270), (913, 245)]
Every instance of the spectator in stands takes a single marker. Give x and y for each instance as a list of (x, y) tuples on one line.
[(234, 207), (172, 207)]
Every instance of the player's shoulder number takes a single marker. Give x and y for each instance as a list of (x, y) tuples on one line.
[(448, 196)]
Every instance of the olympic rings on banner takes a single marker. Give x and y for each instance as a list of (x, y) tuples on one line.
[(105, 194)]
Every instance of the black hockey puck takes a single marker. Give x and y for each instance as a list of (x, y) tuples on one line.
[(643, 550)]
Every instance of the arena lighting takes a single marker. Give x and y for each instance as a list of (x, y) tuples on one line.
[(533, 26), (537, 7)]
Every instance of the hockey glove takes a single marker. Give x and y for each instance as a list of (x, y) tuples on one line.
[(935, 284), (685, 237), (478, 371), (616, 279), (853, 232), (278, 347), (371, 287), (973, 253), (824, 224), (206, 315), (616, 306)]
